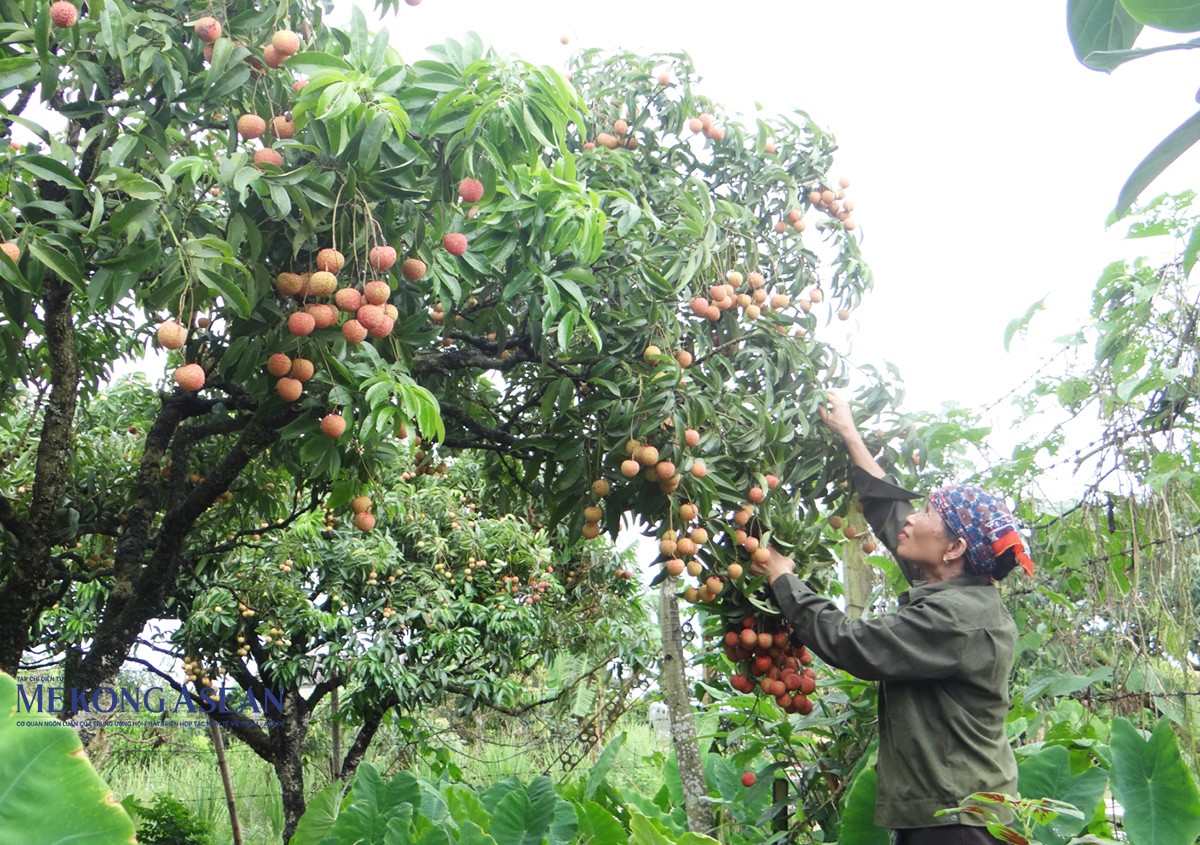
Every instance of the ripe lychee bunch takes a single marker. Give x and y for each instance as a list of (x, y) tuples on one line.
[(63, 14), (766, 660)]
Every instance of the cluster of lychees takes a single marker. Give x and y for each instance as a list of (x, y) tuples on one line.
[(765, 659), (705, 124), (747, 292)]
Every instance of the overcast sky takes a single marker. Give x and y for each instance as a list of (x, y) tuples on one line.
[(984, 158)]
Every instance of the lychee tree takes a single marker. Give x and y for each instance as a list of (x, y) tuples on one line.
[(603, 284), (445, 601)]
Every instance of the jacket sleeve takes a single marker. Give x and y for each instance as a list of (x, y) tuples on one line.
[(920, 640), (886, 505)]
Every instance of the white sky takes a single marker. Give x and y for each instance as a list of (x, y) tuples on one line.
[(984, 159)]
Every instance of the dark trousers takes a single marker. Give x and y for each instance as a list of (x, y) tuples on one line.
[(952, 834)]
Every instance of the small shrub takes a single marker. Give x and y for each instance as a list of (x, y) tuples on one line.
[(168, 821)]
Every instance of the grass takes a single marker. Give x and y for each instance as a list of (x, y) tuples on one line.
[(183, 764)]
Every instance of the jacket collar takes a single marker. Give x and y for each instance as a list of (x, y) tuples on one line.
[(924, 588)]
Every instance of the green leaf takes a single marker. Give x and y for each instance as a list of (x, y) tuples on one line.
[(1171, 15), (1107, 60), (1021, 323), (596, 824), (1096, 25), (49, 792), (1191, 251), (604, 764), (518, 821), (16, 71), (227, 289), (1154, 786), (52, 170), (319, 816), (1169, 149), (1048, 774), (858, 813), (63, 266)]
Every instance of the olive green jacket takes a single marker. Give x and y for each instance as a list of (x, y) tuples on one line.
[(942, 661)]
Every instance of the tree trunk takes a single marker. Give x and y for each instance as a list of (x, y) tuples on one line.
[(226, 782), (288, 759), (857, 574), (673, 681)]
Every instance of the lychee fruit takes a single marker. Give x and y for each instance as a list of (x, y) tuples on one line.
[(333, 425), (267, 156), (322, 283), (251, 126), (348, 299), (302, 369), (289, 389), (171, 335), (377, 292), (323, 313), (301, 323), (381, 258), (63, 14), (279, 365), (272, 58), (455, 243), (330, 260), (283, 127), (190, 377), (289, 284), (364, 521), (360, 504), (12, 250), (208, 29), (748, 779), (285, 42), (353, 331), (471, 190), (413, 269)]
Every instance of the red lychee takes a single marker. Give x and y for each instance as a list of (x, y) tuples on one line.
[(301, 323), (330, 260), (251, 126), (289, 389), (455, 243), (171, 335), (353, 331), (471, 190), (63, 14), (208, 29), (381, 258), (285, 42), (13, 251), (333, 425), (267, 156), (279, 365), (413, 269), (190, 377)]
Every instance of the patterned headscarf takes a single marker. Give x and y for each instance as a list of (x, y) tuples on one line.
[(984, 522)]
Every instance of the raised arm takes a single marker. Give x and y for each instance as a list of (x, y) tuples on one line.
[(840, 421)]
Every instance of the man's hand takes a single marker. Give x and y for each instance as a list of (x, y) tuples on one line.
[(776, 565)]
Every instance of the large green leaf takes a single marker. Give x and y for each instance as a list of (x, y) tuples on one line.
[(1172, 15), (319, 816), (597, 824), (1168, 149), (1152, 783), (858, 813), (604, 764), (1048, 774), (49, 792), (523, 816), (1096, 25)]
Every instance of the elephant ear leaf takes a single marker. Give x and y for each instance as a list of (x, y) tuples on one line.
[(1099, 26), (49, 792)]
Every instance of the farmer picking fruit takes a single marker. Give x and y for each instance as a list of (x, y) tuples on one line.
[(942, 659)]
